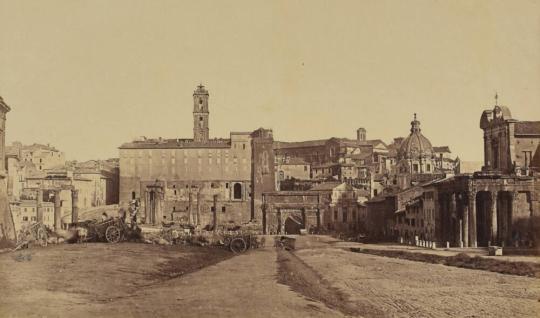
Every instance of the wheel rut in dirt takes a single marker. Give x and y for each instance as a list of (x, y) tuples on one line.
[(303, 279)]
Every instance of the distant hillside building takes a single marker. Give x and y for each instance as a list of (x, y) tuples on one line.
[(177, 179), (42, 156)]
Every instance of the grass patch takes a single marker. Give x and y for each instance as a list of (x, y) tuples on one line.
[(462, 260)]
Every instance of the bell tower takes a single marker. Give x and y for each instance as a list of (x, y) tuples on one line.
[(200, 114)]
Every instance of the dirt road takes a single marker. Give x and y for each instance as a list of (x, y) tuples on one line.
[(386, 287), (138, 280)]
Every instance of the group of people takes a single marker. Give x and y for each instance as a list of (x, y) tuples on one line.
[(133, 211)]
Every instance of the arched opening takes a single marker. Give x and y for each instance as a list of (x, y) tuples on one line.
[(237, 191), (293, 225)]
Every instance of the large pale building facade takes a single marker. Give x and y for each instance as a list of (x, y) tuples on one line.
[(198, 179)]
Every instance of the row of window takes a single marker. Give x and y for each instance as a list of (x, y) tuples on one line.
[(186, 153), (34, 209), (416, 167), (199, 161)]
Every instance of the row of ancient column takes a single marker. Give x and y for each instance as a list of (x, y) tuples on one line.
[(460, 208), (58, 207), (494, 221)]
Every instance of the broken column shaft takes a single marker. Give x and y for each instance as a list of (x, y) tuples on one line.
[(57, 211), (39, 205), (215, 213), (74, 206)]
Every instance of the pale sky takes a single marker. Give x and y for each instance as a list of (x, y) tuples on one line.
[(86, 76)]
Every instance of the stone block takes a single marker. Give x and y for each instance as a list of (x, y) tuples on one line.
[(495, 251)]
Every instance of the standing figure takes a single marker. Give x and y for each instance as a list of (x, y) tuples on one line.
[(133, 209)]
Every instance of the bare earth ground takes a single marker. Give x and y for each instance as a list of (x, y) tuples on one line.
[(386, 287), (325, 280)]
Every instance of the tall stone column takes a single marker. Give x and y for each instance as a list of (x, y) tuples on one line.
[(199, 198), (74, 206), (465, 207), (513, 207), (215, 218), (494, 221), (264, 218), (279, 222), (39, 205), (472, 212), (57, 211), (147, 206), (454, 215), (190, 208)]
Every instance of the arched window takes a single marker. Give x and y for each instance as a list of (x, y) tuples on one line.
[(237, 191)]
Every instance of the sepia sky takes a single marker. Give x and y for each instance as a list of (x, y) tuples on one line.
[(86, 76)]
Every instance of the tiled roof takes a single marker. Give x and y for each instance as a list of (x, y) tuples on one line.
[(295, 161), (299, 144), (176, 144), (35, 146), (359, 156), (442, 149), (373, 142), (326, 186), (527, 128), (326, 165)]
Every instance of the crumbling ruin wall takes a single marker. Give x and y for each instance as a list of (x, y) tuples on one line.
[(7, 228), (262, 170)]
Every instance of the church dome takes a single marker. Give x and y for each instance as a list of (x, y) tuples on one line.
[(415, 146)]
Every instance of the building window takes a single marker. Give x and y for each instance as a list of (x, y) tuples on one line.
[(200, 101), (244, 146), (237, 191), (428, 167), (133, 195), (344, 215), (374, 192), (335, 215), (223, 209), (34, 218), (415, 167), (25, 218), (305, 168)]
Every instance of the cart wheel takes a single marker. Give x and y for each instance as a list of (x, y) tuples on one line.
[(112, 234), (41, 237), (238, 245)]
